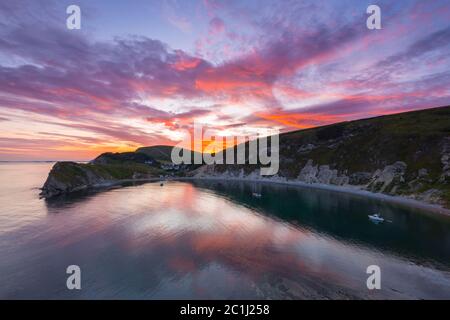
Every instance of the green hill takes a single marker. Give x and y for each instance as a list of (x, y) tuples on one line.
[(160, 153), (405, 154), (402, 154)]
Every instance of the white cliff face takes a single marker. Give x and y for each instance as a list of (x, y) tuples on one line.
[(377, 181), (321, 174), (309, 173), (326, 175), (381, 179), (388, 180), (445, 160)]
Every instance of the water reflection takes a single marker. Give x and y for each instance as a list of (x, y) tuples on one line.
[(407, 230), (213, 240)]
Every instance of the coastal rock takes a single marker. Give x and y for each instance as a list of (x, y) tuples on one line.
[(341, 180), (325, 174), (308, 173), (321, 174), (376, 155), (331, 176), (391, 176), (360, 178), (68, 177), (445, 160)]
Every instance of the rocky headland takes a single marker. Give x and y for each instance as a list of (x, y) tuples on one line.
[(406, 154)]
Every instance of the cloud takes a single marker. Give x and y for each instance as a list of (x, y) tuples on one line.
[(291, 64), (171, 10), (73, 77), (178, 120), (216, 26)]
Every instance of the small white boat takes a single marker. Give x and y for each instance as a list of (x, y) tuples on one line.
[(376, 217), (256, 195)]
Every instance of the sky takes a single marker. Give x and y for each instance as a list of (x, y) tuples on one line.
[(140, 73)]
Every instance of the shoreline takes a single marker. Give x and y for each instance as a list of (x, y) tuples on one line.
[(401, 200), (104, 185)]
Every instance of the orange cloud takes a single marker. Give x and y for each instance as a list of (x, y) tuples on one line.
[(301, 120), (186, 64)]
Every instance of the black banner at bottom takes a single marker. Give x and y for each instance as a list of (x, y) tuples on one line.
[(231, 309)]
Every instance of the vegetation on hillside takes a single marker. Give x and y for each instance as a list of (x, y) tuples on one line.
[(412, 147)]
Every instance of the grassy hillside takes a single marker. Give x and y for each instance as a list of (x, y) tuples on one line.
[(69, 171), (401, 154), (355, 150), (66, 177), (122, 158), (161, 153), (363, 145)]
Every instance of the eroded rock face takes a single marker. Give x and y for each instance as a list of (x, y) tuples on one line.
[(325, 155), (321, 174), (445, 160), (53, 187), (308, 173), (68, 177), (387, 179), (390, 176), (325, 174), (360, 178), (391, 179)]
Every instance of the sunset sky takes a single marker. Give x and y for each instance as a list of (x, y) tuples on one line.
[(140, 72)]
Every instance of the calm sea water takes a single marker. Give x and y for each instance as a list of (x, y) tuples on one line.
[(213, 240)]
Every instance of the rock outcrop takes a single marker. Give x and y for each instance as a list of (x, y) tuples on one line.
[(445, 160), (321, 174), (405, 154), (388, 178), (68, 177)]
